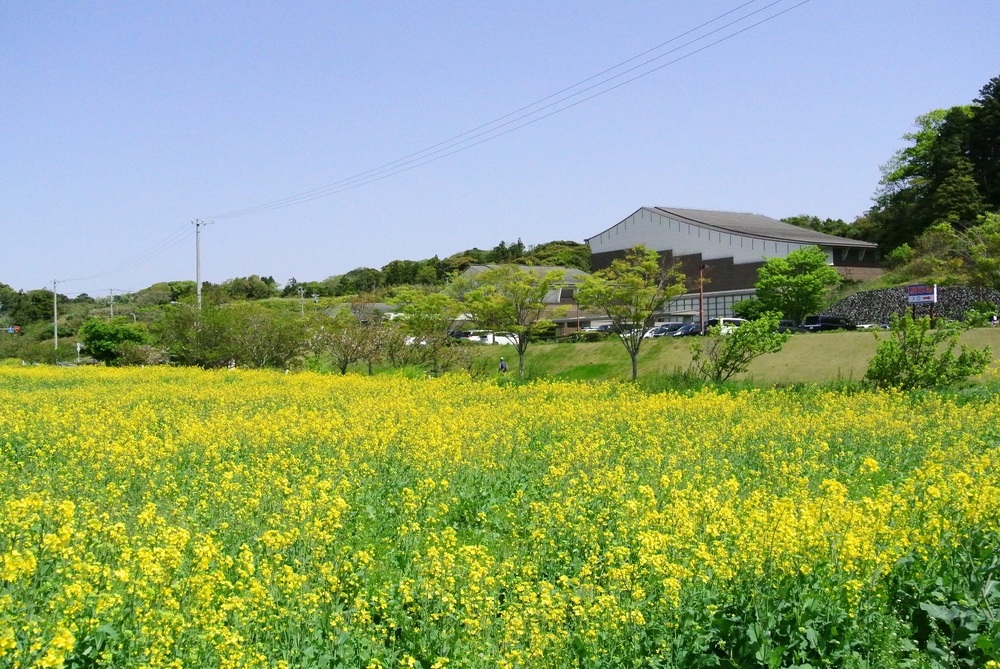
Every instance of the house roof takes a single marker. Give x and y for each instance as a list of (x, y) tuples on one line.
[(754, 225)]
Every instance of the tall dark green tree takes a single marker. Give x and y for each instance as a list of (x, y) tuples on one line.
[(948, 174), (984, 142)]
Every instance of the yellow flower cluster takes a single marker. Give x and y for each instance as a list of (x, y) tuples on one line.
[(186, 518)]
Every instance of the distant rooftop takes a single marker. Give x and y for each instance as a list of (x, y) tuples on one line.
[(755, 225)]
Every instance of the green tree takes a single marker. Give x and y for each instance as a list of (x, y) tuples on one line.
[(984, 142), (950, 173), (8, 297), (108, 340), (504, 253), (32, 307), (829, 226), (750, 309), (507, 298), (724, 353), (359, 280), (917, 356), (983, 252), (400, 273), (945, 255), (243, 333), (344, 339), (251, 287), (795, 286), (427, 320), (559, 254), (631, 292)]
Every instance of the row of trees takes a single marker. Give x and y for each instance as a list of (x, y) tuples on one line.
[(505, 298), (435, 272), (631, 292)]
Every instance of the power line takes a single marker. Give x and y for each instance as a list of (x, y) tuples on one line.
[(173, 239), (450, 141), (528, 114), (534, 112)]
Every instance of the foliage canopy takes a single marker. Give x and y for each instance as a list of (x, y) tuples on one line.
[(796, 285), (631, 291), (917, 356)]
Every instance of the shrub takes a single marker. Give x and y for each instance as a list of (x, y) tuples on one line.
[(917, 356), (106, 340), (980, 315), (725, 353)]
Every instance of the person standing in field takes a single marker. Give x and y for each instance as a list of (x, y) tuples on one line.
[(503, 366)]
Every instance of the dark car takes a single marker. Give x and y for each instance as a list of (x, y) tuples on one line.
[(687, 330), (824, 323), (662, 330), (785, 325)]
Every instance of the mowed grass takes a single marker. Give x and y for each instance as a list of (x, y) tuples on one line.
[(805, 358)]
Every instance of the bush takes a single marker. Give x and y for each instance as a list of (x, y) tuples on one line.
[(981, 314), (725, 353), (107, 340), (916, 356)]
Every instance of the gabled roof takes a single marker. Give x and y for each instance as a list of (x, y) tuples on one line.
[(754, 225)]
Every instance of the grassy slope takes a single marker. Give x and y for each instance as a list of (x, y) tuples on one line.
[(828, 356)]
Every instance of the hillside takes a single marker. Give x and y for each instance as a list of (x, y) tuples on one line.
[(806, 358)]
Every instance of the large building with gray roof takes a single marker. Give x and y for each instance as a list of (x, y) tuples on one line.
[(726, 248)]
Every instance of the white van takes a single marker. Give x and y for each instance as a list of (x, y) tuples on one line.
[(727, 325)]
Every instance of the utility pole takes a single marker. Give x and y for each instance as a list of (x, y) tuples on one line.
[(55, 314), (701, 296), (302, 300), (197, 256), (111, 301)]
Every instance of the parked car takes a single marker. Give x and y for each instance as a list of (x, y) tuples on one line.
[(785, 325), (726, 324), (823, 323), (687, 330), (661, 330), (653, 333)]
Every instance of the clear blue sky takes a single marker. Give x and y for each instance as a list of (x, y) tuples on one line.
[(123, 121)]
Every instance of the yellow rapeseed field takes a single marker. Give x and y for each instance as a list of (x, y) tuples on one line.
[(187, 518)]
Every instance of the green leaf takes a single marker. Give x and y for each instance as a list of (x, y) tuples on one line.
[(937, 612)]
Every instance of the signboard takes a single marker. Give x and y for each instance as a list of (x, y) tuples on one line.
[(921, 293)]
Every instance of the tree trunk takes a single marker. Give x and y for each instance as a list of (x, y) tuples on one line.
[(522, 347)]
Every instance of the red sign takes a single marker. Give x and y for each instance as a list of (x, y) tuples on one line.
[(921, 293)]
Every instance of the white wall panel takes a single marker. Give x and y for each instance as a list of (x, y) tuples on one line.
[(663, 233)]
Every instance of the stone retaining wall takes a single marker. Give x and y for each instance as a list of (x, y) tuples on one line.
[(878, 306)]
